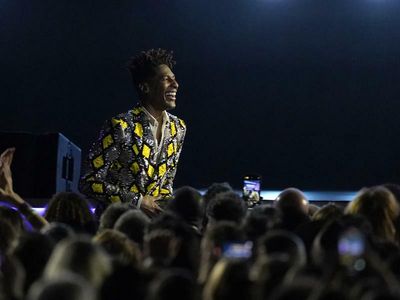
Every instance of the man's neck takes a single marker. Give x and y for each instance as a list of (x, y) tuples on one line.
[(157, 114)]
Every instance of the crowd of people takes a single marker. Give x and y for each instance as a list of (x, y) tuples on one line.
[(208, 247)]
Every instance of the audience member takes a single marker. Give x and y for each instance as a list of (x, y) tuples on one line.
[(293, 205), (111, 215), (380, 207), (229, 279), (120, 248), (394, 189), (212, 191), (173, 284), (33, 251), (133, 224), (65, 287), (8, 195), (57, 231), (267, 273), (188, 254), (215, 238), (260, 220), (299, 251), (187, 204), (79, 256), (327, 213), (215, 189), (226, 206), (160, 249), (281, 242), (73, 210)]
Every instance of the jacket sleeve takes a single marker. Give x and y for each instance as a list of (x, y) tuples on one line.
[(167, 186), (103, 156)]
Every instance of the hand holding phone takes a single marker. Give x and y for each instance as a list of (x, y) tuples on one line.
[(351, 249), (251, 189), (237, 250)]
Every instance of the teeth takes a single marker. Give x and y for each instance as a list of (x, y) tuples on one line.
[(170, 93)]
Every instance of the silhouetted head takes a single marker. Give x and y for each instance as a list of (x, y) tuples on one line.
[(229, 279), (188, 252), (227, 207), (120, 248), (292, 200), (187, 203), (173, 284), (259, 220), (328, 213), (79, 256), (57, 231), (71, 209), (281, 242), (379, 206), (33, 251), (161, 246), (216, 236), (65, 287), (215, 189), (111, 215), (133, 223), (395, 189)]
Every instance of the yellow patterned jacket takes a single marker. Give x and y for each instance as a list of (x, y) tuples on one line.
[(122, 164)]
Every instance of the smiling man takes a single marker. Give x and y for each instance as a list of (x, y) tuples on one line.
[(135, 158)]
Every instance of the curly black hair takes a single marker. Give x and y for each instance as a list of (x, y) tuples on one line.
[(142, 66), (71, 209)]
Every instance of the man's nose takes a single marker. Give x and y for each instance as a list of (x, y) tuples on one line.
[(175, 83)]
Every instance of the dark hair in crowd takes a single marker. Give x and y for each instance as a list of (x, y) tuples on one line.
[(133, 224), (187, 204), (227, 206), (33, 245), (71, 209), (111, 215)]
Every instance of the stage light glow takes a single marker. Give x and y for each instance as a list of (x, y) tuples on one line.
[(344, 196), (41, 210)]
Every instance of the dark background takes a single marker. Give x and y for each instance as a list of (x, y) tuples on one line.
[(303, 92)]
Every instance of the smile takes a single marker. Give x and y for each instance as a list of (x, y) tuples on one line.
[(171, 95)]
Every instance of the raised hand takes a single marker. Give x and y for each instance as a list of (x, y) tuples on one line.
[(6, 182), (7, 192), (149, 206)]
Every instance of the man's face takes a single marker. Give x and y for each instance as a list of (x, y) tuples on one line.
[(162, 89)]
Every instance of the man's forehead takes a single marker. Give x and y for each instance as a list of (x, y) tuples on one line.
[(164, 70)]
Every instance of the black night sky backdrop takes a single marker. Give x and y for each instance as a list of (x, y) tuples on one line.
[(304, 92)]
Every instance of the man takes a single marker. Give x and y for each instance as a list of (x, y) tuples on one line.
[(293, 206), (135, 158)]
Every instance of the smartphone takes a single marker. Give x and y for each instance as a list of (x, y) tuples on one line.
[(351, 249), (251, 187), (237, 250)]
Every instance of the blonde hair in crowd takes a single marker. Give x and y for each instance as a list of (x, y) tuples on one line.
[(380, 207)]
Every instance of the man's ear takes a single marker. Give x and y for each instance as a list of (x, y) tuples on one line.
[(144, 87)]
